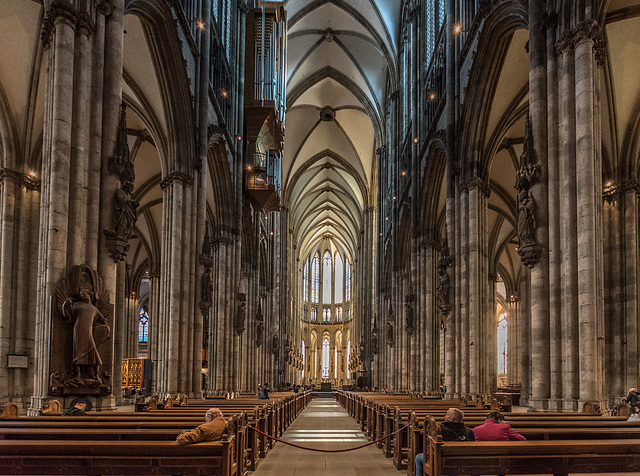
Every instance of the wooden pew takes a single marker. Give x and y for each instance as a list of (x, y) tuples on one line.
[(127, 457), (559, 457)]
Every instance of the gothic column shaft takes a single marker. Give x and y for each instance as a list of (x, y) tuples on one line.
[(8, 199), (586, 167), (464, 364), (568, 237), (555, 252), (120, 325), (631, 282), (174, 291), (79, 176), (186, 309), (475, 280), (95, 131), (540, 272)]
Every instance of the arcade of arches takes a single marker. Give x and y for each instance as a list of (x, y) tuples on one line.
[(396, 193)]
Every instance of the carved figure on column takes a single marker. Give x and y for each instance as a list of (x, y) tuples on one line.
[(374, 341), (206, 284), (408, 317), (444, 282), (84, 302), (125, 207), (528, 174), (390, 325), (275, 345), (240, 313), (259, 332)]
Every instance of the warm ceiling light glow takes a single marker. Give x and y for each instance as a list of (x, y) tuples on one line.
[(394, 197), (386, 218), (457, 29), (609, 184), (248, 167), (432, 96), (266, 217), (239, 137), (404, 173), (32, 174), (201, 24), (224, 93), (271, 233), (415, 140)]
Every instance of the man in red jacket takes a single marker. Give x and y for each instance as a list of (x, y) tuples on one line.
[(494, 429)]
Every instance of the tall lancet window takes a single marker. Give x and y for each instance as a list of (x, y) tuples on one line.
[(326, 278), (305, 280), (143, 326), (315, 278), (326, 315), (347, 282), (339, 278), (503, 349), (325, 358), (339, 316)]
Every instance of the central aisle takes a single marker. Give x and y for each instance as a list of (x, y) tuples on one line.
[(325, 424)]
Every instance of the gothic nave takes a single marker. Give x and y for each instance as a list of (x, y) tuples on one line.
[(402, 194)]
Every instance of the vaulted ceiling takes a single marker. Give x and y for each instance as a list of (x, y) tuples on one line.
[(341, 55)]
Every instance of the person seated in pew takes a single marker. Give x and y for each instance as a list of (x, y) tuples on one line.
[(495, 429), (451, 430), (78, 409), (211, 430), (635, 414)]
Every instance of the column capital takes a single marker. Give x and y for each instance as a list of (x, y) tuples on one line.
[(474, 183), (19, 178), (176, 176), (57, 10)]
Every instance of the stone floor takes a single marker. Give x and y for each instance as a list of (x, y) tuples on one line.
[(324, 424)]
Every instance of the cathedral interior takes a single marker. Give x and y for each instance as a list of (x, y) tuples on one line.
[(416, 195)]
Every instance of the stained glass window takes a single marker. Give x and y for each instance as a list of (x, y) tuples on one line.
[(325, 358), (503, 349), (326, 278), (347, 282), (315, 278), (339, 278), (305, 280), (314, 314), (326, 315), (340, 314), (143, 326)]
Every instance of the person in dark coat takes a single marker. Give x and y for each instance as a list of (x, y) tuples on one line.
[(78, 409), (451, 430)]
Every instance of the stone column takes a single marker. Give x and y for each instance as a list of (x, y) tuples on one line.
[(55, 180), (588, 198), (631, 351), (539, 275)]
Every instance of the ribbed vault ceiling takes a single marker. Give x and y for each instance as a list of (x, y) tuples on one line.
[(339, 55)]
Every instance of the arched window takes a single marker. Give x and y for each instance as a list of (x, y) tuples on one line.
[(315, 278), (339, 278), (347, 282), (314, 314), (503, 349), (303, 359), (348, 357), (143, 326), (340, 314), (326, 314), (326, 278), (325, 358), (305, 280)]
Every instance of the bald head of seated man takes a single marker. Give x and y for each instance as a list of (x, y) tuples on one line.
[(211, 430)]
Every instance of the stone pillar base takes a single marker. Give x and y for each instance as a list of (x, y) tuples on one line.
[(538, 404)]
